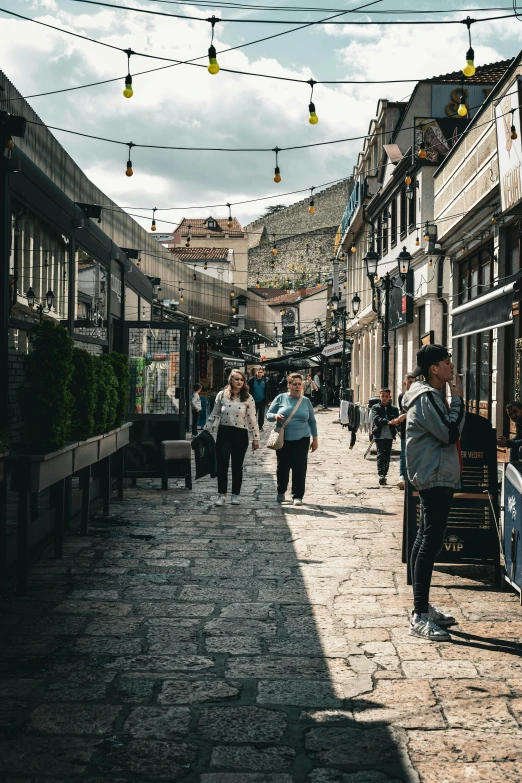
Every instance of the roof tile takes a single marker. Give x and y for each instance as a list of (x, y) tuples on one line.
[(199, 227), (485, 74), (200, 253)]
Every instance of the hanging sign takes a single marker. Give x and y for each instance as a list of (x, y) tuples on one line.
[(509, 149), (203, 361)]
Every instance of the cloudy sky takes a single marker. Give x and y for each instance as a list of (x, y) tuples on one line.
[(186, 106)]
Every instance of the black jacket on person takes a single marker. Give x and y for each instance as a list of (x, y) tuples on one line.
[(381, 416), (204, 448)]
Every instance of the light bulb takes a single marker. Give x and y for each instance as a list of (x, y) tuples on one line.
[(463, 109), (494, 219), (274, 251), (230, 224), (426, 237), (128, 92), (181, 298), (213, 66), (258, 285), (277, 174), (10, 144), (431, 262), (272, 265), (353, 249), (514, 134), (313, 119), (407, 179), (205, 266), (469, 69), (311, 208), (417, 242), (129, 172), (153, 226), (422, 150)]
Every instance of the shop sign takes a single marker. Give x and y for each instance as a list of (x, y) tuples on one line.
[(203, 361), (331, 350), (507, 113)]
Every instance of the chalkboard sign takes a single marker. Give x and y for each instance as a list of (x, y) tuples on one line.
[(471, 535)]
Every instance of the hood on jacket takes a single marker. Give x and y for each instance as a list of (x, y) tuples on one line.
[(415, 391)]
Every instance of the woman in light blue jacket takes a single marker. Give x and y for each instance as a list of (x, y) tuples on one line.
[(303, 426)]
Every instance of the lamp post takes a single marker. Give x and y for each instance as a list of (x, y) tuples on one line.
[(40, 307), (386, 284)]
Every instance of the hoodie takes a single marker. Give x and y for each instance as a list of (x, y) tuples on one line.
[(432, 432)]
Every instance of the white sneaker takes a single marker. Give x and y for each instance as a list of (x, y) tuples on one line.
[(298, 502), (440, 618), (221, 500), (235, 500), (401, 483), (426, 629)]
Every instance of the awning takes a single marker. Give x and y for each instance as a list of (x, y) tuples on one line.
[(292, 363), (297, 355), (226, 358), (490, 311)]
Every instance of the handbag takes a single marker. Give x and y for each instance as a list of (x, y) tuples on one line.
[(276, 439)]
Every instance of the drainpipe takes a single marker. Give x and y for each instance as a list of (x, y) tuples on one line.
[(440, 279)]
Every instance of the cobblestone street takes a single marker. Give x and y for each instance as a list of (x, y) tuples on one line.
[(257, 644)]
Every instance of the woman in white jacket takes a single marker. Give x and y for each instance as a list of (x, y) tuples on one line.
[(234, 414)]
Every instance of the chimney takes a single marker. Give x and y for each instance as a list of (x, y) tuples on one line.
[(302, 290)]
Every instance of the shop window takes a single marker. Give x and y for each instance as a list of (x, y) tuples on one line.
[(484, 384), (92, 296), (474, 287), (403, 208), (412, 208), (485, 273), (393, 217), (463, 284), (472, 388), (512, 259), (474, 364), (154, 365), (384, 237), (379, 236)]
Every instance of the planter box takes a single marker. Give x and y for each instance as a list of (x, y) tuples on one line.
[(108, 444), (36, 472), (86, 453), (123, 434)]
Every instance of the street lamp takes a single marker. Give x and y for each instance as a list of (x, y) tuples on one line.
[(404, 262), (356, 304), (334, 302), (371, 259)]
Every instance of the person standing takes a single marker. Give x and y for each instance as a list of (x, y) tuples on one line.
[(384, 429), (258, 386), (309, 387), (293, 456), (234, 414), (433, 463), (514, 411), (195, 404), (408, 380), (317, 382)]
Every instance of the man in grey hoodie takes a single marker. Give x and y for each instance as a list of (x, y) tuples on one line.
[(433, 465)]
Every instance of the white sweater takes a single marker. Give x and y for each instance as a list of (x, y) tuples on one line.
[(234, 413)]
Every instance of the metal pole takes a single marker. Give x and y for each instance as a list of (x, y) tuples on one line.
[(387, 284)]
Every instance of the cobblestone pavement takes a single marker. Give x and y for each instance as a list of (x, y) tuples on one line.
[(257, 644)]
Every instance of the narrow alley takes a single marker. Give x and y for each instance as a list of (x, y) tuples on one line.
[(257, 644)]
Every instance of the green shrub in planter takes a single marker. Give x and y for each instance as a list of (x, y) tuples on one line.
[(120, 365), (106, 413), (46, 400), (84, 393)]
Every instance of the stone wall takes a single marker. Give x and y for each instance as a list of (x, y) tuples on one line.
[(305, 242)]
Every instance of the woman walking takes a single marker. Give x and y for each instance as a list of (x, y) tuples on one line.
[(234, 414), (294, 454)]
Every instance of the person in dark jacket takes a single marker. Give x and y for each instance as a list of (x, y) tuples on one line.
[(514, 411), (408, 380), (384, 429), (258, 386)]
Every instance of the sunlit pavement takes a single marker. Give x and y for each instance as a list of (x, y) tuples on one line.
[(258, 643)]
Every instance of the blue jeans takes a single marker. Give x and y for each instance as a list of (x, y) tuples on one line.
[(402, 461)]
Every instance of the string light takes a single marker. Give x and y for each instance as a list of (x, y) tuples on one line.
[(194, 276), (275, 251), (187, 243), (128, 171), (180, 291), (232, 294), (9, 144), (277, 173), (426, 233), (258, 284), (494, 218), (153, 225), (230, 220), (213, 66), (422, 150), (205, 265), (463, 109), (313, 119), (469, 69), (407, 179), (514, 134), (311, 207), (343, 257), (417, 241), (353, 248), (128, 92)]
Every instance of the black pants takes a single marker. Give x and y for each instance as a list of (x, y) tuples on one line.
[(384, 447), (293, 457), (435, 506), (231, 442), (260, 410), (195, 419)]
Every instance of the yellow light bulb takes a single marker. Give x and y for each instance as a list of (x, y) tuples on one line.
[(417, 242), (311, 209), (128, 171), (422, 151), (10, 144), (514, 134), (153, 226), (230, 224), (462, 110), (426, 237), (353, 249), (407, 179), (494, 219), (313, 119), (128, 92), (469, 69), (181, 298), (213, 66)]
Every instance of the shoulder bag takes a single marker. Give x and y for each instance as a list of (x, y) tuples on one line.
[(276, 439)]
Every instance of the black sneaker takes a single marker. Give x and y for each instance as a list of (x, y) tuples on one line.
[(382, 480)]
